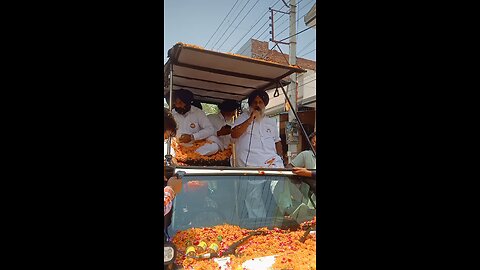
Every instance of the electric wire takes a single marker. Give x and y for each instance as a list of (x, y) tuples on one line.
[(221, 23), (308, 52), (313, 40), (231, 24), (260, 29), (298, 32), (259, 19), (239, 24)]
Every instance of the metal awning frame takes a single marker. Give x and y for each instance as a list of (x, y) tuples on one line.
[(273, 82)]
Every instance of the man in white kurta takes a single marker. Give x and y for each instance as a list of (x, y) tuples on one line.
[(223, 121), (257, 147), (193, 124), (258, 144)]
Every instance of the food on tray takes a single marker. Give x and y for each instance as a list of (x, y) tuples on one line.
[(186, 155), (289, 252)]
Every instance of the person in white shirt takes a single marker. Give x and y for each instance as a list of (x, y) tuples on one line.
[(257, 141), (223, 121), (258, 144), (193, 124), (306, 159), (302, 165)]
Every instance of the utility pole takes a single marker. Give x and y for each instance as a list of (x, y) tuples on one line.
[(292, 87)]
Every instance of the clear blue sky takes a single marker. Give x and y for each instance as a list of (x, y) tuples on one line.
[(195, 21)]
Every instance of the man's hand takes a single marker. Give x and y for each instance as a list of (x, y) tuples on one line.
[(225, 130), (239, 130), (175, 183), (185, 138), (255, 114), (302, 172)]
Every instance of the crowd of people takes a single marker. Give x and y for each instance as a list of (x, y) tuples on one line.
[(256, 138)]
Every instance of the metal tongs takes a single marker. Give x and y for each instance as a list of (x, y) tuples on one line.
[(234, 246), (307, 232)]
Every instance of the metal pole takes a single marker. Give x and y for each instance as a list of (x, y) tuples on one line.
[(170, 107), (292, 87), (234, 150), (298, 119), (273, 28), (234, 155)]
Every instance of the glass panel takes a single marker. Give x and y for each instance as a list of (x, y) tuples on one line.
[(250, 202)]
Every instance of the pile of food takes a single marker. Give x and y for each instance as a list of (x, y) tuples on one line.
[(289, 252), (186, 155)]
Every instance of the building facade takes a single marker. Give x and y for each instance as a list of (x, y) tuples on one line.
[(306, 81)]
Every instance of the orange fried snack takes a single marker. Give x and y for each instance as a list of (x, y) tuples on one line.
[(185, 153), (284, 244)]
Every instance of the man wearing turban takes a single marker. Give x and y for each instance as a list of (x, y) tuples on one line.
[(193, 124), (258, 144)]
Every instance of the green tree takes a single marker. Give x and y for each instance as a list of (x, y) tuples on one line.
[(210, 108)]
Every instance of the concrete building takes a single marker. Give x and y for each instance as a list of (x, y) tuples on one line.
[(306, 81), (311, 18)]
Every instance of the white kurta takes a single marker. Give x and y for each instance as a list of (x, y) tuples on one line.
[(263, 152), (196, 123), (218, 121)]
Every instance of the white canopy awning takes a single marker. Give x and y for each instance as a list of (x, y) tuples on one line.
[(213, 77)]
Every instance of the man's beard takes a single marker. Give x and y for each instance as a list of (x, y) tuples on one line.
[(183, 110), (262, 111)]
